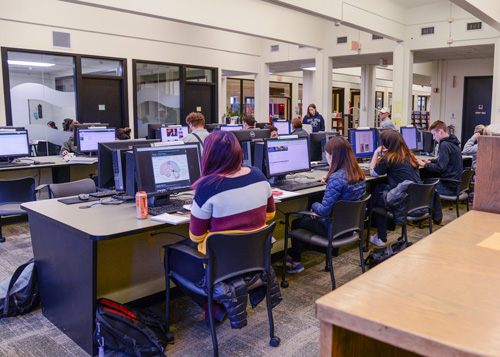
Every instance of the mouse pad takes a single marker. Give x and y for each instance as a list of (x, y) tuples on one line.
[(73, 200)]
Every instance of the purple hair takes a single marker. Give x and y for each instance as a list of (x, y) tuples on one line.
[(222, 155)]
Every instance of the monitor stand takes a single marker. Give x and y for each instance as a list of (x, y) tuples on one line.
[(158, 201)]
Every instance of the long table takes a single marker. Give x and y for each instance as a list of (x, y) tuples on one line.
[(51, 169), (84, 254), (439, 297)]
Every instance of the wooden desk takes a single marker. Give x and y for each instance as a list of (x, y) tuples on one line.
[(440, 297)]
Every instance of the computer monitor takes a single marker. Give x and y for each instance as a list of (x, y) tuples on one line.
[(315, 146), (14, 144), (12, 128), (261, 125), (152, 130), (428, 142), (283, 126), (324, 140), (286, 156), (88, 139), (410, 136), (109, 167), (211, 127), (173, 133), (363, 142), (252, 134), (163, 170), (231, 127)]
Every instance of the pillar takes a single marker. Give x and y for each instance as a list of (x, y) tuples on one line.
[(367, 98), (262, 93), (402, 78)]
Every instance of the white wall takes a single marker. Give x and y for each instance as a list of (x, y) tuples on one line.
[(454, 97)]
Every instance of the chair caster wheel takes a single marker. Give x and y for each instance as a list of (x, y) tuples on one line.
[(2, 239), (275, 341), (284, 284), (327, 268), (170, 336)]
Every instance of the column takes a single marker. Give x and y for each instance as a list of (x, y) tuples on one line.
[(367, 98), (323, 87), (495, 103), (402, 82), (222, 97), (308, 96), (262, 93), (438, 91)]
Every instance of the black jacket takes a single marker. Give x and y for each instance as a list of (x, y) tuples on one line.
[(301, 133), (233, 293), (449, 162)]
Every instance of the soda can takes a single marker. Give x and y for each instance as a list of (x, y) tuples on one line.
[(141, 205)]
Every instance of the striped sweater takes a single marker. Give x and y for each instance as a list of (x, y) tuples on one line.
[(233, 205)]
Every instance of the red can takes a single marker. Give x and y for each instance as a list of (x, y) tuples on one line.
[(141, 205)]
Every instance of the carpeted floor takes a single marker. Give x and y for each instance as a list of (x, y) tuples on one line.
[(295, 321)]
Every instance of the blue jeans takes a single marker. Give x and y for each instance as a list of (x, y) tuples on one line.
[(378, 201), (437, 211)]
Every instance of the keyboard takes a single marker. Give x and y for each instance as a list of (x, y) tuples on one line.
[(13, 164), (170, 208), (315, 165), (300, 185), (101, 194)]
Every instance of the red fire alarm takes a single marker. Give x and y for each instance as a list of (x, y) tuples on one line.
[(435, 90)]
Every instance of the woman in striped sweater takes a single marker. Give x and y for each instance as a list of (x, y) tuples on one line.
[(229, 198)]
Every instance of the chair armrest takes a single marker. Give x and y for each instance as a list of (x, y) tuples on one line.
[(313, 214), (187, 250), (41, 187)]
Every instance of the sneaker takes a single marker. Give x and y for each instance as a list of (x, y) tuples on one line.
[(295, 269), (375, 240), (437, 221)]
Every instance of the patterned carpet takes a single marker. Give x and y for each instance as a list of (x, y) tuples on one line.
[(295, 321)]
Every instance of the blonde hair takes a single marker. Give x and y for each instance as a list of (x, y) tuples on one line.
[(483, 130)]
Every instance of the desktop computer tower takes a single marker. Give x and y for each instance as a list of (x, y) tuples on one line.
[(118, 169)]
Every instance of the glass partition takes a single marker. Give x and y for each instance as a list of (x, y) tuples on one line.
[(102, 67), (158, 95)]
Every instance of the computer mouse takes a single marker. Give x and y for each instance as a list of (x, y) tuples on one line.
[(36, 162), (83, 197)]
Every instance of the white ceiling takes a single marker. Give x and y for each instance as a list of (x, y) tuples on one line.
[(415, 3)]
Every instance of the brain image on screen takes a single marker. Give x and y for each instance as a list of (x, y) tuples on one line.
[(170, 169)]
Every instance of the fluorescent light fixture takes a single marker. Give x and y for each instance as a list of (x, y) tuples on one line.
[(309, 68), (31, 64)]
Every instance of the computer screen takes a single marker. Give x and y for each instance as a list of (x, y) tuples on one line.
[(315, 146), (283, 126), (285, 156), (14, 143), (173, 133), (363, 141), (420, 140), (252, 134), (88, 139), (77, 127), (231, 127), (410, 136), (323, 143), (162, 170), (211, 127), (107, 167)]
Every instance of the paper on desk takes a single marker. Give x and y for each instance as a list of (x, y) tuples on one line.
[(492, 242), (171, 218), (283, 194)]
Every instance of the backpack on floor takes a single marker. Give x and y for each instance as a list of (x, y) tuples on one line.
[(19, 293), (134, 332), (378, 255)]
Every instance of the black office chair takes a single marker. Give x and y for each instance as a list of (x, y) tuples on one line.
[(228, 256), (58, 190), (346, 227), (12, 194), (463, 190), (420, 197)]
